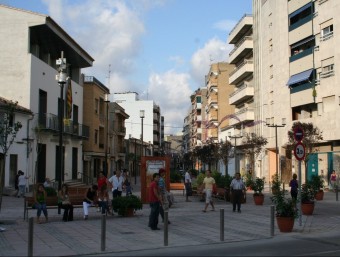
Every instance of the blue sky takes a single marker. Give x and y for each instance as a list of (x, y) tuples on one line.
[(160, 49)]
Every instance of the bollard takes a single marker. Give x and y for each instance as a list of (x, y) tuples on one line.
[(103, 233), (272, 220), (336, 193), (166, 228), (30, 237), (222, 224)]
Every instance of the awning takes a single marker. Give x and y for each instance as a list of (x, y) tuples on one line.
[(302, 76)]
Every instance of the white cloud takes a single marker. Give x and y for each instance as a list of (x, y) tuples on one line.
[(225, 25), (213, 51), (110, 31), (171, 91)]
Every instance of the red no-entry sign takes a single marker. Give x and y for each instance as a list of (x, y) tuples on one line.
[(298, 134)]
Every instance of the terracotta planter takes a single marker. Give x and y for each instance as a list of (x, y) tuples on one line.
[(258, 199), (129, 212), (307, 208), (319, 195), (285, 224)]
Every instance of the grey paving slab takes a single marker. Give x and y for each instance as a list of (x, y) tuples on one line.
[(189, 226)]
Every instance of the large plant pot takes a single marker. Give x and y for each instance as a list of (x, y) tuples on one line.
[(129, 212), (307, 208), (285, 224), (258, 199), (319, 195)]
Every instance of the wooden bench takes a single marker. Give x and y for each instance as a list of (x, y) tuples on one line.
[(52, 201), (177, 186)]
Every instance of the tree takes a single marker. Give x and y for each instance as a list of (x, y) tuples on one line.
[(252, 147), (224, 153), (8, 132), (312, 136)]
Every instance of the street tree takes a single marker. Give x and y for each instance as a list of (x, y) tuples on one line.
[(224, 152), (8, 132), (312, 136), (252, 146)]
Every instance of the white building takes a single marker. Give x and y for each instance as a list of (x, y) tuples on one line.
[(28, 75), (151, 121)]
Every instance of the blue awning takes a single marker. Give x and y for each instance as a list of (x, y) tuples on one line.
[(302, 76)]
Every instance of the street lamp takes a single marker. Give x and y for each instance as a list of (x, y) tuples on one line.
[(107, 101), (61, 78), (235, 153), (276, 148), (142, 116)]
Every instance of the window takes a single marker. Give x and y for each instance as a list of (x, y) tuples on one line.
[(327, 68), (96, 105), (326, 33), (95, 136), (300, 14)]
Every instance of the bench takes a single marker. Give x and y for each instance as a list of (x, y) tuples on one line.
[(52, 201), (177, 186)]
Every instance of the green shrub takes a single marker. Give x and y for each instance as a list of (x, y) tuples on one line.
[(175, 177), (123, 203), (50, 191)]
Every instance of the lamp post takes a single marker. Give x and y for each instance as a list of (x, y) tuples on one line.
[(235, 153), (276, 148), (107, 101), (61, 78), (142, 116)]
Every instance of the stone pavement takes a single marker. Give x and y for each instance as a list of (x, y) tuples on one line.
[(189, 226)]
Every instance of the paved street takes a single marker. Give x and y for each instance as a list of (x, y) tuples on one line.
[(189, 227)]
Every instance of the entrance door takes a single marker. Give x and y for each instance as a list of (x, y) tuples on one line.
[(313, 166), (74, 162), (41, 175), (13, 168)]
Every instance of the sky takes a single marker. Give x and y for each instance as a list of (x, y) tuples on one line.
[(161, 49)]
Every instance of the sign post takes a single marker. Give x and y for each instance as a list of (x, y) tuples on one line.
[(299, 152)]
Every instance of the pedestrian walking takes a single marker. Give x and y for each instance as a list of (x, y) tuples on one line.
[(208, 183), (294, 187), (237, 188), (187, 183), (333, 180), (22, 180)]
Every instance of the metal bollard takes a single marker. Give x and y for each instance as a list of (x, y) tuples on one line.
[(336, 193), (222, 224), (166, 228), (272, 211), (30, 237), (103, 233)]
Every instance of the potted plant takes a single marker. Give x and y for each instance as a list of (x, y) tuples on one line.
[(276, 184), (318, 184), (307, 198), (286, 211), (258, 186), (125, 205)]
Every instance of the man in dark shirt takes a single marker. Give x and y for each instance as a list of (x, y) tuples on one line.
[(154, 199)]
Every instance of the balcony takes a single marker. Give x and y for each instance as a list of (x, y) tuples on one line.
[(121, 131), (243, 115), (198, 106), (241, 50), (242, 94), (242, 27), (242, 71), (50, 122), (198, 118)]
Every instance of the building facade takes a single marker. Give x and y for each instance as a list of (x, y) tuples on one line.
[(28, 75)]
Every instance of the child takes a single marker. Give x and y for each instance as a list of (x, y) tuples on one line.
[(103, 199), (40, 202)]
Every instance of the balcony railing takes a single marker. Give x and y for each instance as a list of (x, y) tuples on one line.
[(239, 44), (48, 121), (240, 66)]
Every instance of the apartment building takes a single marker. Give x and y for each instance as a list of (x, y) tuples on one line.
[(28, 72), (138, 111), (197, 128), (241, 78), (296, 75), (218, 110)]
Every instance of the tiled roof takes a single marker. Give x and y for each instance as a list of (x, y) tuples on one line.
[(4, 104)]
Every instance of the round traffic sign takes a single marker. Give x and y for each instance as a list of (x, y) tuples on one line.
[(299, 151), (298, 134)]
